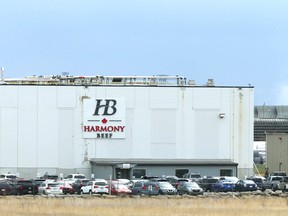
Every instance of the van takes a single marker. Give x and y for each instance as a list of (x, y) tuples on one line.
[(74, 177), (192, 176)]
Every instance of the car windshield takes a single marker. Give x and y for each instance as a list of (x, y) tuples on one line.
[(277, 178), (79, 177), (24, 182), (248, 182), (191, 184), (11, 176), (225, 182), (120, 186), (165, 185), (100, 183), (53, 184)]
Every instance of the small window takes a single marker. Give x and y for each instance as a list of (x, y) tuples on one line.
[(226, 172), (138, 173), (180, 172)]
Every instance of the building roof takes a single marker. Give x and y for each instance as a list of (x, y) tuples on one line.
[(269, 119), (115, 161)]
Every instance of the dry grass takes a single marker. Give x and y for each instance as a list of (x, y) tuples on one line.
[(143, 206)]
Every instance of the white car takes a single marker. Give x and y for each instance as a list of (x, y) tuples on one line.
[(50, 188), (8, 176), (73, 177), (97, 186)]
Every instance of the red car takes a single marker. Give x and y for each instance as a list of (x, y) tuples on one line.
[(66, 187), (119, 189)]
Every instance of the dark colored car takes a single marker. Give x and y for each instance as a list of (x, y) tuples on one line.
[(190, 188), (245, 185), (222, 186), (176, 181), (38, 182), (257, 180), (206, 183), (145, 187), (22, 187), (78, 184), (50, 177), (6, 188), (166, 188)]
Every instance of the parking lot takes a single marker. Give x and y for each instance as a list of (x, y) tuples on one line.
[(230, 203)]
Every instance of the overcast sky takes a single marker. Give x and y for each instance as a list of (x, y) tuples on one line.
[(235, 43)]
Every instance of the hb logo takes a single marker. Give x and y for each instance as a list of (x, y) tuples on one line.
[(109, 107)]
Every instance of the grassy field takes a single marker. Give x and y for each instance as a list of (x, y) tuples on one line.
[(143, 206)]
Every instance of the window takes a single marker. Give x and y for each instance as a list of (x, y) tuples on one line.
[(138, 173), (180, 172), (226, 172)]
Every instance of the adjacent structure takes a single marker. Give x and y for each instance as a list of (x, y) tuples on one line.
[(125, 127)]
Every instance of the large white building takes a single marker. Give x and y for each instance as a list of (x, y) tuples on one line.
[(124, 127)]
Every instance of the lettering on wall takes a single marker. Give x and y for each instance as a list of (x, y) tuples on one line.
[(104, 118)]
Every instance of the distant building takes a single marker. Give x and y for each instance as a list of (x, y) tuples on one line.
[(270, 122)]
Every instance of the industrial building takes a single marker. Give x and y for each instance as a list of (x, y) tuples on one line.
[(124, 126), (271, 136)]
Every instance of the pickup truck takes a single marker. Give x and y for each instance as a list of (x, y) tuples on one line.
[(274, 183), (22, 187)]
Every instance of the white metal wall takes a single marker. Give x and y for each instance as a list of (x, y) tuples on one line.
[(41, 126)]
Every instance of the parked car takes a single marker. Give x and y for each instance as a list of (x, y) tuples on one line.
[(193, 176), (145, 187), (176, 181), (223, 186), (274, 183), (38, 182), (73, 177), (190, 188), (78, 184), (97, 186), (285, 182), (206, 183), (48, 177), (8, 176), (50, 188), (22, 187), (166, 188), (65, 186), (258, 181), (278, 173), (126, 182), (6, 188), (119, 189), (245, 185)]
